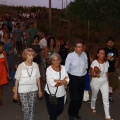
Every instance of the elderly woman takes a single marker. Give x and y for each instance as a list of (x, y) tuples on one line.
[(57, 79), (27, 83)]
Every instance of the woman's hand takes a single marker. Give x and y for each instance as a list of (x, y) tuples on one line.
[(97, 75), (15, 96), (40, 94), (56, 81)]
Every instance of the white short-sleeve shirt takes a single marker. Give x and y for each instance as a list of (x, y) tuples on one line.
[(103, 68), (43, 43), (27, 77)]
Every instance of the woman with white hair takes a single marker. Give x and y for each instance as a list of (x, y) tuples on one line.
[(57, 79)]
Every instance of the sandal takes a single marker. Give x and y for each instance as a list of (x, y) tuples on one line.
[(109, 119), (93, 111)]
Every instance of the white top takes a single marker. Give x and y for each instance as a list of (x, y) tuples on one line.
[(27, 76), (43, 43), (103, 68), (52, 75), (76, 64)]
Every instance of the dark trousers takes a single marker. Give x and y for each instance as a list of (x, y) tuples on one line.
[(54, 110), (76, 88)]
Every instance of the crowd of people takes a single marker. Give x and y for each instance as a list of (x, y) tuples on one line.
[(51, 61)]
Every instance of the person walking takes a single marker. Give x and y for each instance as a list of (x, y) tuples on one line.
[(86, 97), (17, 38), (57, 78), (63, 51), (4, 71), (50, 49), (111, 56), (36, 47), (31, 32), (76, 65), (27, 84), (8, 48), (99, 74), (43, 45)]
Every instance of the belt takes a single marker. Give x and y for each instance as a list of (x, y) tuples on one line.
[(77, 76)]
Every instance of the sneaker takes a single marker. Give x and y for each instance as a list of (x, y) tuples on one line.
[(109, 119), (93, 111)]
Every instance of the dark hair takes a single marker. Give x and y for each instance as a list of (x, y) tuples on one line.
[(47, 34), (110, 39), (15, 67), (17, 23), (36, 36), (96, 57), (31, 23), (49, 40), (77, 42), (4, 24), (7, 33), (1, 43)]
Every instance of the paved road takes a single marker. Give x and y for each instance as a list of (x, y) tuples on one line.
[(12, 111)]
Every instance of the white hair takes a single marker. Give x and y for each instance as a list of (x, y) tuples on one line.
[(55, 54)]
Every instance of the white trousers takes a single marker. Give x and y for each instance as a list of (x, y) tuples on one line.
[(101, 85)]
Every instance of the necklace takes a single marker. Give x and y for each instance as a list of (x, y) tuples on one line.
[(102, 71), (29, 74)]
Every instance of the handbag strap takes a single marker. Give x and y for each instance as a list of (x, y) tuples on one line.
[(57, 87)]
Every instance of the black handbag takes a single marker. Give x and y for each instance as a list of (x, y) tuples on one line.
[(52, 97)]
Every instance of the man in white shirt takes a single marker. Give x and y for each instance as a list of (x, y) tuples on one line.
[(43, 42), (43, 45), (76, 65)]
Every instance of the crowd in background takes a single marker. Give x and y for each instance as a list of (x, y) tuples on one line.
[(50, 60)]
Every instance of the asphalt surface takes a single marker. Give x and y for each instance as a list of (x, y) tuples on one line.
[(13, 111)]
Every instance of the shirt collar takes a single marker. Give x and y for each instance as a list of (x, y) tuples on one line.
[(78, 55)]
